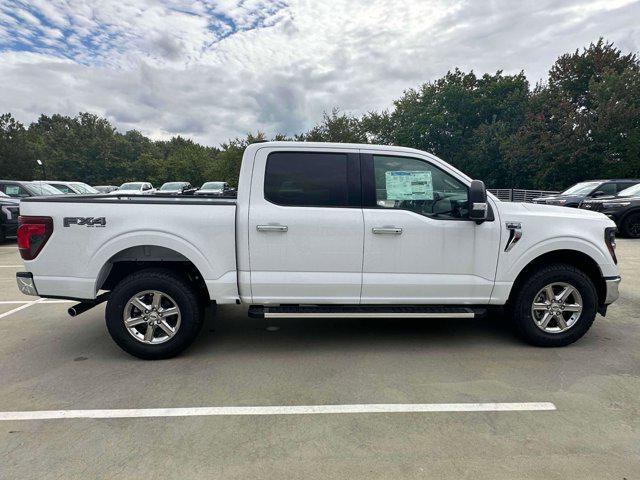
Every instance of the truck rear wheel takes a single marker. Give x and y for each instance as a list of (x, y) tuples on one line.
[(153, 314), (555, 306)]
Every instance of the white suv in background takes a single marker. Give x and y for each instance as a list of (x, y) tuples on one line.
[(134, 188)]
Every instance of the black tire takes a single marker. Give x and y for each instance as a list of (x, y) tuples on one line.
[(631, 225), (525, 325), (169, 283)]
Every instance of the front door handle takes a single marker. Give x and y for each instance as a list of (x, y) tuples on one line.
[(387, 230), (272, 228)]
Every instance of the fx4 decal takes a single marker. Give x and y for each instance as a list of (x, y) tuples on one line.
[(86, 221)]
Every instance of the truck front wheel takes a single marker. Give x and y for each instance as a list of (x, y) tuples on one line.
[(555, 306), (153, 314)]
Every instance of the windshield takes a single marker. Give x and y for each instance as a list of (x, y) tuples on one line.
[(130, 186), (84, 188), (631, 191), (581, 188), (213, 186), (173, 186), (40, 188)]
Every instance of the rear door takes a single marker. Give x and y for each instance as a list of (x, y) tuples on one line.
[(305, 226)]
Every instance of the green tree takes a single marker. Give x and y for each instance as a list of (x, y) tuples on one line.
[(336, 127), (17, 159)]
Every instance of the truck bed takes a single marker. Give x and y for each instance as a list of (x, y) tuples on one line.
[(92, 232)]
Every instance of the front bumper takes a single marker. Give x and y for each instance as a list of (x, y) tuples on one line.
[(612, 291), (26, 284)]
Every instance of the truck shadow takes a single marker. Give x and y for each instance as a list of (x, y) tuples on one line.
[(232, 328)]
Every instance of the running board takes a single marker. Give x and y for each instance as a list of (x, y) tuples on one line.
[(371, 311)]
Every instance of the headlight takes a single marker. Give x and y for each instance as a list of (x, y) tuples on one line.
[(616, 204), (610, 240), (556, 202)]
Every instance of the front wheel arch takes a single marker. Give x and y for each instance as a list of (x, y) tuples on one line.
[(577, 259)]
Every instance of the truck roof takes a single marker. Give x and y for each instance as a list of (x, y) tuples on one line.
[(363, 146)]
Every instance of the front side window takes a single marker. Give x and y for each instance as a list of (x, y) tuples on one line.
[(606, 189), (304, 179), (416, 185), (13, 190)]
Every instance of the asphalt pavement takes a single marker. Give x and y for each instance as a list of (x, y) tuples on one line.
[(50, 361)]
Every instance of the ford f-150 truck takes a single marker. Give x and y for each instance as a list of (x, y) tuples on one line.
[(321, 230)]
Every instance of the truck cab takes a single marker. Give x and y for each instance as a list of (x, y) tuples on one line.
[(326, 230)]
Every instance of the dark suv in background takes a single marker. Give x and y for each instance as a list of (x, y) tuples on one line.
[(9, 212), (573, 196), (623, 208)]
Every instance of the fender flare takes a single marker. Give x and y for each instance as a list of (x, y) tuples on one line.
[(580, 245), (100, 259)]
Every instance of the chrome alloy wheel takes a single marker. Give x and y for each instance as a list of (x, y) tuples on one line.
[(151, 317), (556, 307)]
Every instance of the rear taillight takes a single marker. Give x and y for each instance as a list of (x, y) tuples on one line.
[(610, 240), (33, 233)]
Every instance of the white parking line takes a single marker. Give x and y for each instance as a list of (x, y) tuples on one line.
[(21, 307), (27, 304), (279, 410)]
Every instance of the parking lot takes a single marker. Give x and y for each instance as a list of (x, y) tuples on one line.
[(50, 361)]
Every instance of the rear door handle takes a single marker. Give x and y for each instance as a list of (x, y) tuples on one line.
[(272, 228), (387, 230)]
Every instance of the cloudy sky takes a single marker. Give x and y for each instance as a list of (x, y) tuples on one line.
[(211, 70)]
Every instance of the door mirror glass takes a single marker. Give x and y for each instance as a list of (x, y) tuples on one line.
[(478, 207), (598, 193)]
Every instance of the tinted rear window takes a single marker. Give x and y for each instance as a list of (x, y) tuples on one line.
[(307, 179)]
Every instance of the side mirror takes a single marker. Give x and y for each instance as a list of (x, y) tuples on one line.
[(478, 207), (597, 193)]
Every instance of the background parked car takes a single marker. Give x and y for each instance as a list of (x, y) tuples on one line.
[(21, 189), (215, 188), (135, 188), (9, 212), (174, 187), (623, 208), (572, 196), (106, 188), (73, 187)]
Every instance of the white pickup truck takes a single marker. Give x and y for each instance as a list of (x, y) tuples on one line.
[(321, 230)]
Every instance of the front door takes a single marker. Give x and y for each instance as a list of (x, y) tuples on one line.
[(419, 245), (306, 227)]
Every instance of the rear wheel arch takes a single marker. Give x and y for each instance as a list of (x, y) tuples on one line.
[(143, 257)]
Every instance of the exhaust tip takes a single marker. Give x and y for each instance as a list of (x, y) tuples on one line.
[(72, 311)]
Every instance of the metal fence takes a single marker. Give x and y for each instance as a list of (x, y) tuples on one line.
[(519, 195)]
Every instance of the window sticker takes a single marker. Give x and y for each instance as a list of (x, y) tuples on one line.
[(405, 185), (12, 190)]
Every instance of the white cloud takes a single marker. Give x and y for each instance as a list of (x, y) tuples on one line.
[(212, 70)]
